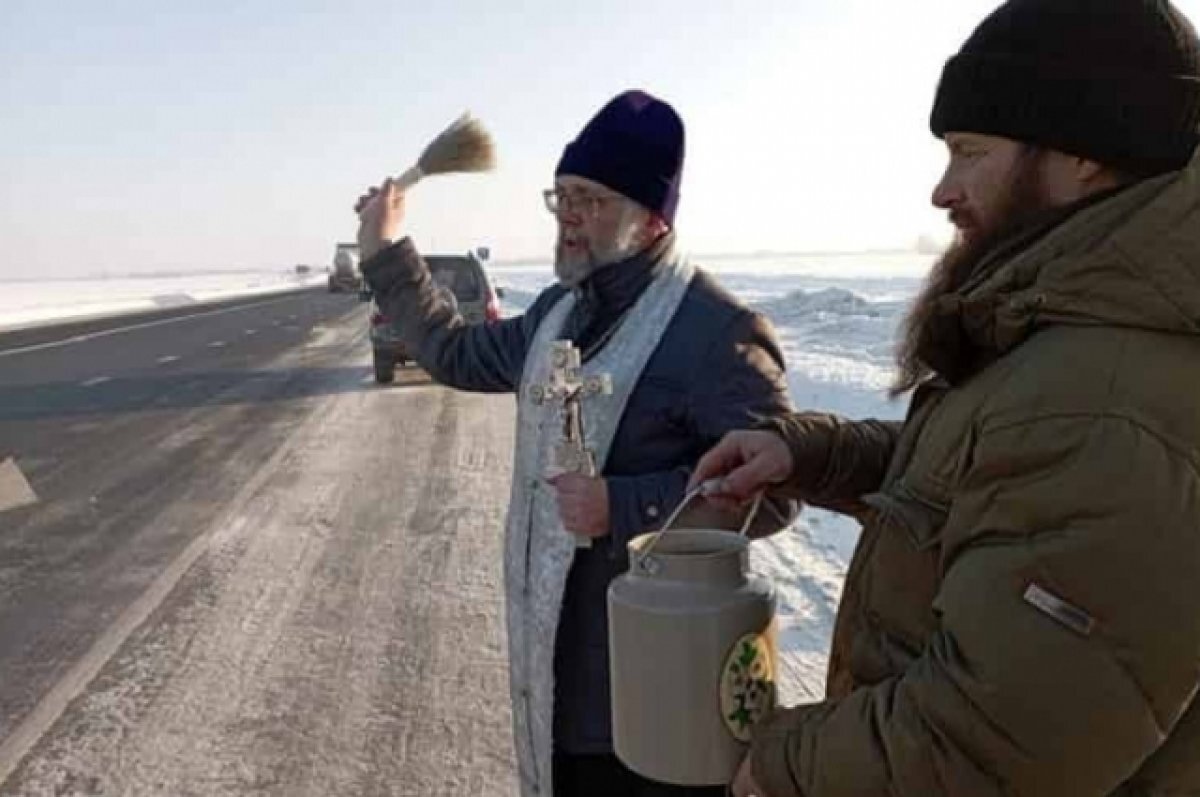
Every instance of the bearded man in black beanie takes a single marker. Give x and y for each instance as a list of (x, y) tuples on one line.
[(687, 362), (1022, 612)]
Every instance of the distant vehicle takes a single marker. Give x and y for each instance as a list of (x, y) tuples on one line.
[(303, 269), (345, 275), (464, 283)]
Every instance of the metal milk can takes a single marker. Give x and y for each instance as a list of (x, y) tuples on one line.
[(692, 653)]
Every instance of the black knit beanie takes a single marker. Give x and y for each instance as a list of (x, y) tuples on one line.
[(633, 145), (1114, 81)]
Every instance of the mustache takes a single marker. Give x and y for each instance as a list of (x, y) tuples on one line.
[(961, 219)]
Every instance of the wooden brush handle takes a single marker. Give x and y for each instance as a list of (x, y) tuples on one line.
[(409, 178)]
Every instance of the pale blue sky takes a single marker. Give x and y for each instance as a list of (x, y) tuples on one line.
[(138, 136)]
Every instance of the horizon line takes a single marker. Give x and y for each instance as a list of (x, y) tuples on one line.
[(756, 254)]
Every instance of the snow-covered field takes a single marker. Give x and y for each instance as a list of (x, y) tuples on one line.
[(836, 316), (30, 302)]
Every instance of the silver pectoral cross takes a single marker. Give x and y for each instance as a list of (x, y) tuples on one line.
[(568, 387)]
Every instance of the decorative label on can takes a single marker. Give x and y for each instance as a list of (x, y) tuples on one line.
[(747, 685)]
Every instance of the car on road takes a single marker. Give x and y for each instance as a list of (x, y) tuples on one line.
[(345, 275), (463, 281)]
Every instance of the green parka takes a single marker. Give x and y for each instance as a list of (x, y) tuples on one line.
[(1022, 613)]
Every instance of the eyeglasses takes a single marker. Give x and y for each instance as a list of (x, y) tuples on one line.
[(559, 200)]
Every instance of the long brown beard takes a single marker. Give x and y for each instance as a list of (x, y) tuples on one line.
[(1022, 204)]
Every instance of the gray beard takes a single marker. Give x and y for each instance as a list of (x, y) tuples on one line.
[(571, 273)]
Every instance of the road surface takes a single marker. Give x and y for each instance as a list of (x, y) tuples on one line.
[(233, 565)]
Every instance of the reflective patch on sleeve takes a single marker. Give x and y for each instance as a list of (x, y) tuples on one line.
[(1048, 603)]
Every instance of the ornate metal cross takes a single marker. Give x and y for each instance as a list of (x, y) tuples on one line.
[(569, 388)]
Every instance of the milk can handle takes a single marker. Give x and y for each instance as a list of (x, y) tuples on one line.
[(689, 496)]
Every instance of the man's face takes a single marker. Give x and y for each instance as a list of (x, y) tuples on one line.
[(596, 227), (987, 181), (993, 188)]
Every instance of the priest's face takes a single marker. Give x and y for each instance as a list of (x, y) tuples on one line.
[(596, 227)]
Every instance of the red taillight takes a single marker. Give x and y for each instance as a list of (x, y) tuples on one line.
[(378, 318), (492, 311)]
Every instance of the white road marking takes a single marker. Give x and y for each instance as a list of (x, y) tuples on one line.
[(147, 325), (251, 331), (14, 488), (170, 358), (217, 344), (96, 380)]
